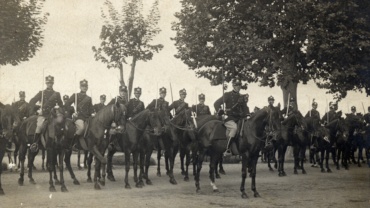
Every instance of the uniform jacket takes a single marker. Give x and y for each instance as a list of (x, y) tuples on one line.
[(179, 106), (22, 108), (134, 107), (314, 113), (161, 105), (234, 106), (51, 99), (84, 105), (201, 109), (120, 100), (98, 107), (332, 116)]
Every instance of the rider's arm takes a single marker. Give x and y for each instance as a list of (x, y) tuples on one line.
[(70, 100), (36, 99)]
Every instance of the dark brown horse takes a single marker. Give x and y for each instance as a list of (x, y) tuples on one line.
[(173, 136), (300, 142), (8, 121), (248, 144), (129, 143)]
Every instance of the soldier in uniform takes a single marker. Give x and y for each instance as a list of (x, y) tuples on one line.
[(135, 105), (122, 97), (48, 99), (201, 109), (160, 103), (68, 110), (235, 110), (84, 108), (367, 117), (313, 112), (331, 115), (22, 106), (101, 105), (179, 105), (271, 101), (291, 110)]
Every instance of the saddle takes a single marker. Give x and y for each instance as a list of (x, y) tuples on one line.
[(219, 133)]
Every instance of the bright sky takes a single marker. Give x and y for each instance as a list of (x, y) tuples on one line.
[(74, 27)]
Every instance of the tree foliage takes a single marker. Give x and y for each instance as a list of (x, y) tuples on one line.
[(21, 30), (273, 42), (128, 34)]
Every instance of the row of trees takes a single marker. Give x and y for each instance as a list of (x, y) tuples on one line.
[(278, 42)]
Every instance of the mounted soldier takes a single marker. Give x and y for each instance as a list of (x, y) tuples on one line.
[(48, 99), (122, 97), (331, 115), (291, 110), (235, 109), (313, 112), (135, 105), (269, 130), (83, 107), (101, 105), (22, 106), (160, 103), (68, 110), (201, 109), (271, 101), (179, 105)]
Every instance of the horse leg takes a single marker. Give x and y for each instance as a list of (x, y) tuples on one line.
[(302, 154), (2, 152), (67, 160), (221, 167), (43, 159), (97, 174), (334, 155), (50, 166), (135, 157), (322, 155), (171, 160), (187, 163), (141, 166), (109, 164), (22, 158), (244, 175), (359, 157), (199, 162), (147, 164), (79, 159), (127, 168), (31, 158), (182, 156), (166, 160), (281, 156), (57, 182), (15, 155), (295, 155), (216, 169), (61, 169), (89, 162), (268, 160), (339, 155), (159, 162), (253, 175), (212, 166), (102, 170), (327, 154)]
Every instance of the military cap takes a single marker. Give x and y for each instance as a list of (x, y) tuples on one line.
[(22, 94), (353, 108), (123, 88), (331, 104), (256, 108), (182, 92), (49, 79), (162, 90), (271, 98), (103, 97), (201, 96), (314, 103), (137, 90), (236, 82), (65, 97), (83, 83)]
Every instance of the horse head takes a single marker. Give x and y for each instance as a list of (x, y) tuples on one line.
[(273, 120), (119, 116), (155, 121), (9, 120)]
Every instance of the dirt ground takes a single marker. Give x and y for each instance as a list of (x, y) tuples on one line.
[(342, 188)]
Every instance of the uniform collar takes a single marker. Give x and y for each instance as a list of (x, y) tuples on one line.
[(235, 92), (49, 89), (136, 99), (181, 100)]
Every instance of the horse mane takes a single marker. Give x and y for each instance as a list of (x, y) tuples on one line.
[(101, 115), (140, 115), (181, 117)]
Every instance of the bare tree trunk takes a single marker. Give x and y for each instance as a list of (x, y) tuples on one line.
[(121, 80), (291, 88), (132, 75)]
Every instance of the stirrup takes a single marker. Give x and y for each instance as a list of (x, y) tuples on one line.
[(227, 153)]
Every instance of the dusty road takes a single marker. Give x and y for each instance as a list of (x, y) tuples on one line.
[(343, 188)]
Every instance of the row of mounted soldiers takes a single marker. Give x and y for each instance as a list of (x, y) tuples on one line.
[(232, 106)]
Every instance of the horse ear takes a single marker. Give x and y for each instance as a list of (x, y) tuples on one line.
[(278, 106)]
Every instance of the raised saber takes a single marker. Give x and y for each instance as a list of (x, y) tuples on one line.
[(327, 111), (75, 95), (42, 91), (156, 100), (309, 104), (363, 107), (172, 98)]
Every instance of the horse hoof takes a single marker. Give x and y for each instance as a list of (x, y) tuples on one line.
[(280, 174), (57, 182), (322, 170), (359, 165), (222, 171), (173, 181), (64, 189), (329, 171), (256, 194), (20, 182), (32, 181), (296, 172), (149, 182), (76, 182), (183, 173), (43, 169), (244, 196), (127, 186), (270, 169), (89, 180), (216, 191), (159, 174), (79, 168), (111, 178), (284, 174), (97, 187), (304, 172), (186, 178), (218, 176), (138, 185), (197, 190), (52, 189), (167, 173), (102, 183)]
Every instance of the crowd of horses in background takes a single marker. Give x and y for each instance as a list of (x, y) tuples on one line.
[(193, 137)]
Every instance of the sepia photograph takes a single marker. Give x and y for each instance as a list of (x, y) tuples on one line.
[(185, 103)]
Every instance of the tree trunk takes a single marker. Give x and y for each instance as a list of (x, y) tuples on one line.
[(121, 80), (290, 88), (132, 75)]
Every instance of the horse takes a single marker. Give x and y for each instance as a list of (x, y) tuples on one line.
[(367, 143), (95, 142), (248, 144), (8, 121), (326, 138), (58, 142), (356, 139), (129, 142), (300, 142), (173, 135)]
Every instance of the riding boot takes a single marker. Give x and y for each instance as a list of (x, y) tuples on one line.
[(35, 145), (228, 151)]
